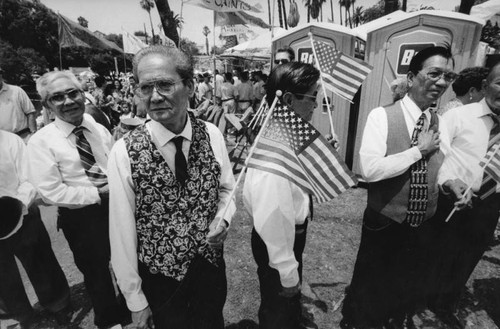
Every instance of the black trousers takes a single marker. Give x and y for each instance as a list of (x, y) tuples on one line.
[(195, 303), (462, 242), (277, 311), (32, 246), (87, 232), (389, 272)]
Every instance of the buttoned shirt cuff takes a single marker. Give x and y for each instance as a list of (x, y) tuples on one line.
[(136, 301)]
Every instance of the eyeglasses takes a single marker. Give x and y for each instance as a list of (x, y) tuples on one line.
[(60, 98), (281, 61), (435, 75), (163, 87), (312, 98)]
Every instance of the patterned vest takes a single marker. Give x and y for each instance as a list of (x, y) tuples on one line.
[(389, 197), (172, 221)]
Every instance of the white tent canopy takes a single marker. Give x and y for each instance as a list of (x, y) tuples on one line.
[(258, 48)]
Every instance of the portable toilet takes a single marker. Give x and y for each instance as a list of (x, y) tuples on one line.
[(392, 41), (345, 40)]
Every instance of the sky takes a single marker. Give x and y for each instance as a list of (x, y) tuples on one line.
[(110, 16)]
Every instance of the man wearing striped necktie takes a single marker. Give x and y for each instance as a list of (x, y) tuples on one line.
[(466, 236), (68, 165)]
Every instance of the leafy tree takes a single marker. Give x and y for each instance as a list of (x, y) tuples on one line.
[(374, 11), (358, 16), (189, 47), (391, 6), (206, 32), (169, 21), (83, 22), (147, 5), (116, 38), (491, 34)]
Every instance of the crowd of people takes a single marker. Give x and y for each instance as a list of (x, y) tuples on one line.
[(139, 170)]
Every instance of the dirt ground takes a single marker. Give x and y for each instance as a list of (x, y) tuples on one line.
[(333, 240)]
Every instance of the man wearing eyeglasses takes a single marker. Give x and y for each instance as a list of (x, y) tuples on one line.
[(474, 131), (68, 167), (284, 55), (401, 152), (170, 181)]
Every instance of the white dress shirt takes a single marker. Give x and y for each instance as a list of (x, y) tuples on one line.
[(375, 165), (123, 234), (14, 173), (55, 167), (469, 127), (15, 105), (276, 206)]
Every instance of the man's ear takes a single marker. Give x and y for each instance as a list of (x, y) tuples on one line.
[(287, 99), (190, 85), (484, 84), (409, 78)]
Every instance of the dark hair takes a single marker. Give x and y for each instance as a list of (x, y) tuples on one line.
[(119, 82), (99, 81), (228, 76), (417, 62), (244, 76), (182, 61), (468, 78), (288, 50), (293, 77)]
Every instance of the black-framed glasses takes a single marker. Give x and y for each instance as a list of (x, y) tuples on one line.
[(435, 75), (60, 98), (163, 86), (281, 61), (312, 98)]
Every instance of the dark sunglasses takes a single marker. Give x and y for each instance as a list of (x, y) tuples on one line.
[(281, 61)]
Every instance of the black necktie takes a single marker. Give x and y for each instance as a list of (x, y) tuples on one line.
[(417, 203), (180, 161), (93, 171)]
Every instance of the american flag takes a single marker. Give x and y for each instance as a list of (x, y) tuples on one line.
[(341, 73), (491, 165), (291, 148)]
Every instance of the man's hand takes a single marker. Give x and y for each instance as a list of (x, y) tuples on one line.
[(143, 319), (289, 292), (103, 191), (457, 189), (333, 140), (217, 235), (428, 142)]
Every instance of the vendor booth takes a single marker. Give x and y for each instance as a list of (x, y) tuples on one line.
[(347, 41)]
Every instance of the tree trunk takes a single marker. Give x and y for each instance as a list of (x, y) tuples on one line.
[(206, 44), (167, 20), (390, 6), (340, 11), (465, 6), (404, 5), (280, 14), (284, 13), (270, 19), (331, 8), (152, 28)]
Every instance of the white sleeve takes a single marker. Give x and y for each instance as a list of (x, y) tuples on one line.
[(375, 165), (269, 199), (122, 229), (26, 192)]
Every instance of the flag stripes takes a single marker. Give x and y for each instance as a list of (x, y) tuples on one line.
[(491, 165)]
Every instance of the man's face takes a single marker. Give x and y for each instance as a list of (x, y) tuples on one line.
[(491, 88), (169, 110), (422, 89), (281, 58), (305, 104), (70, 110)]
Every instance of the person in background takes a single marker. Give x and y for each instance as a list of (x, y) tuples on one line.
[(228, 94), (284, 55), (474, 130), (68, 167), (281, 210), (205, 89), (258, 89), (17, 113), (468, 88), (399, 88), (244, 93), (218, 80), (402, 150), (170, 181), (23, 235)]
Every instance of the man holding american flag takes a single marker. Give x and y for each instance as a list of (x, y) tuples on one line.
[(474, 134), (290, 163)]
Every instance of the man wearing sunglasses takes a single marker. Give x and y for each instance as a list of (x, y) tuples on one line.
[(401, 152), (68, 167), (170, 181), (284, 55)]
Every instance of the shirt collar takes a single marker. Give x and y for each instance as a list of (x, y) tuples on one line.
[(67, 128), (5, 87), (412, 109), (163, 135), (483, 110)]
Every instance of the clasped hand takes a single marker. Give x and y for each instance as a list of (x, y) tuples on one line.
[(428, 142), (217, 233)]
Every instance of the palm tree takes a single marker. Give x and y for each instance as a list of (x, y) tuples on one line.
[(280, 14), (206, 32), (331, 8), (313, 8), (168, 20), (357, 16), (341, 4), (347, 6), (147, 5)]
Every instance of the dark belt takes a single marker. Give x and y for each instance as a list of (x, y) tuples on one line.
[(23, 131), (227, 99)]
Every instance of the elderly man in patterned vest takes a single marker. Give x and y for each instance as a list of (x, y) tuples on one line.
[(170, 182), (402, 150)]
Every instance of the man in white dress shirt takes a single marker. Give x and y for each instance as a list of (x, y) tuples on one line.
[(402, 149), (170, 181), (23, 235), (68, 165), (467, 235)]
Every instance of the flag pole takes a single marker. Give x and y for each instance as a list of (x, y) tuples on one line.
[(253, 122), (322, 85), (250, 153), (59, 35), (470, 186)]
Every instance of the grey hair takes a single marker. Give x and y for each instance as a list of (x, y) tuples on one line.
[(47, 78), (183, 63)]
